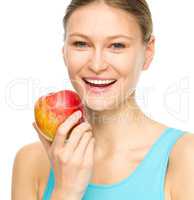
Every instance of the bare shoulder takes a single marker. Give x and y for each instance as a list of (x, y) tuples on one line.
[(35, 155), (31, 165), (34, 152), (181, 168), (35, 148), (183, 147)]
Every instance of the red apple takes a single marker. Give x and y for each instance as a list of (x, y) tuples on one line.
[(52, 109)]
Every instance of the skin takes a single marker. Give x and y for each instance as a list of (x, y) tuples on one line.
[(97, 56), (100, 58), (129, 127)]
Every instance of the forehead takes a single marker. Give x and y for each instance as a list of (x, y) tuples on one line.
[(101, 20)]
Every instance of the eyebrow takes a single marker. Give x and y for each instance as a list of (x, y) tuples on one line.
[(109, 37)]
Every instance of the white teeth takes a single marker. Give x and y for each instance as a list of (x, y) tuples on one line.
[(100, 81)]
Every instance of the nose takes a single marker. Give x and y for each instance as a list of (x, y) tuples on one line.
[(97, 64)]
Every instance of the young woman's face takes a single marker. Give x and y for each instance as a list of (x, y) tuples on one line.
[(104, 43)]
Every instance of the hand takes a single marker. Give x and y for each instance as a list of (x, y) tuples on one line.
[(72, 160)]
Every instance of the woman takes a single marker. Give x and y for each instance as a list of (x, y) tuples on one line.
[(107, 45)]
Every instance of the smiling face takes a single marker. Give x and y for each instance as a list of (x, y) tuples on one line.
[(105, 43)]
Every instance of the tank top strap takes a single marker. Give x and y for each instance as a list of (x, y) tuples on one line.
[(50, 186), (154, 167), (161, 149)]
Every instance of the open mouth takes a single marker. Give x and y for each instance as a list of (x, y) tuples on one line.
[(98, 86), (99, 83)]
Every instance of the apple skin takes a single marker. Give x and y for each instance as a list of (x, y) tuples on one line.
[(52, 109)]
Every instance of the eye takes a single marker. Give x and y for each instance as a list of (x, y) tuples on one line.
[(118, 45), (79, 43)]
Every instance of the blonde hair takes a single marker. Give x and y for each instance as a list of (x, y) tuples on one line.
[(138, 8)]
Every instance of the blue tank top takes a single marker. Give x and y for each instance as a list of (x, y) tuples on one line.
[(145, 182)]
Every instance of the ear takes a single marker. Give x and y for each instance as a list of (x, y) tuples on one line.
[(149, 52)]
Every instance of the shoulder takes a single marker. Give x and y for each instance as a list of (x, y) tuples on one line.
[(32, 148), (32, 155), (181, 167), (30, 164)]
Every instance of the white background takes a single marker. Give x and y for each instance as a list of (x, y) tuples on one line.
[(31, 64)]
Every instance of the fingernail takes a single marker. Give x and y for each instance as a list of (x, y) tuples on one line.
[(78, 114)]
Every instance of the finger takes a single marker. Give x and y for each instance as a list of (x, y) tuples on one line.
[(77, 133), (88, 159), (44, 141), (65, 128), (80, 150)]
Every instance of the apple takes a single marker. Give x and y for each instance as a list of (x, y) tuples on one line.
[(52, 109)]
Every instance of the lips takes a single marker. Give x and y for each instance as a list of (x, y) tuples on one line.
[(99, 83)]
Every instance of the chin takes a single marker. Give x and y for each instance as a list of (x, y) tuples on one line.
[(100, 105)]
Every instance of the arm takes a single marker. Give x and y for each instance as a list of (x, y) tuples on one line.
[(24, 185), (182, 185)]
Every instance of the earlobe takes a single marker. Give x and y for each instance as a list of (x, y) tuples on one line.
[(149, 52)]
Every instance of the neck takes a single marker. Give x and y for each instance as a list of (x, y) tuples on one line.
[(118, 129)]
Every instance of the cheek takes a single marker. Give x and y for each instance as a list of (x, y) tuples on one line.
[(124, 63), (128, 66), (76, 60), (134, 71)]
